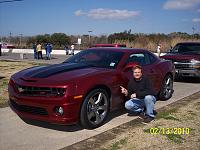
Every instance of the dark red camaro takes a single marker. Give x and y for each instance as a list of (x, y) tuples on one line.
[(86, 86)]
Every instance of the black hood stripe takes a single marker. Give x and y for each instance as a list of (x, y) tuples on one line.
[(50, 70)]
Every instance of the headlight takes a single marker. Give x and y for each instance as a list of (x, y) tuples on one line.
[(194, 61)]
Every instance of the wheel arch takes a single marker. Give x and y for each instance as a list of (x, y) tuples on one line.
[(167, 74), (99, 86)]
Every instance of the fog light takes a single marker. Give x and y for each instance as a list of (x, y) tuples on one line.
[(59, 110)]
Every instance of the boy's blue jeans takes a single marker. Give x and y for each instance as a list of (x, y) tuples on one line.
[(138, 105)]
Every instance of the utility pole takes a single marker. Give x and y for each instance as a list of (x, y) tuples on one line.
[(10, 34), (20, 40), (193, 31), (90, 31)]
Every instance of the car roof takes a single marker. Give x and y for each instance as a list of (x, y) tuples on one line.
[(119, 49), (109, 45), (188, 43)]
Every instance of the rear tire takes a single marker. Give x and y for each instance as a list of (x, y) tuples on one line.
[(166, 88), (95, 109)]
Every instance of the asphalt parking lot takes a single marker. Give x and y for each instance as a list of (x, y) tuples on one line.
[(17, 134), (29, 57)]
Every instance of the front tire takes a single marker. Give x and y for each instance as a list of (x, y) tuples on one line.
[(166, 88), (95, 109)]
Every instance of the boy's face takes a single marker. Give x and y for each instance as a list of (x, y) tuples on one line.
[(137, 73)]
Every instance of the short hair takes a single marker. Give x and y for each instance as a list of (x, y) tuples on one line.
[(137, 67)]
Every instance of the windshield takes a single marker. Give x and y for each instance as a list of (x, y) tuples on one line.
[(187, 48), (97, 58)]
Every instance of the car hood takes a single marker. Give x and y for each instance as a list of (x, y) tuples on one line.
[(58, 74), (181, 57)]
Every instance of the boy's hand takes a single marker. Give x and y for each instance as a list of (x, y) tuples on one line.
[(133, 96), (124, 91)]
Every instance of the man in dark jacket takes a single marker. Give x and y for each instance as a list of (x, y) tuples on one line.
[(35, 51), (141, 95)]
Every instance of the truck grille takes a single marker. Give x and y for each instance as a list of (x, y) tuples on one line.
[(28, 109), (182, 66)]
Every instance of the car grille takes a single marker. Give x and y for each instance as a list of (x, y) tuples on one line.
[(28, 109), (40, 91)]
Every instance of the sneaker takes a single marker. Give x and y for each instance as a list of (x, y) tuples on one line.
[(147, 120), (154, 112), (142, 115)]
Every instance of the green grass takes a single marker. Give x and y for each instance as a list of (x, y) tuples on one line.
[(3, 90), (117, 145), (147, 130), (3, 82), (168, 114), (192, 113), (38, 64), (170, 117), (176, 138), (198, 103)]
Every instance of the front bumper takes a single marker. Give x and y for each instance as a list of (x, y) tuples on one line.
[(187, 69), (43, 108)]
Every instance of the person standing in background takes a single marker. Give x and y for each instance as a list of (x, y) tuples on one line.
[(48, 51), (39, 51), (45, 46), (35, 51), (158, 49)]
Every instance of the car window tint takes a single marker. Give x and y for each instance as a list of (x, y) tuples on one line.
[(92, 57), (152, 59), (137, 57), (175, 49), (186, 47), (98, 58)]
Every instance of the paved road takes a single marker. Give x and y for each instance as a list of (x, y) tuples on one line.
[(18, 135)]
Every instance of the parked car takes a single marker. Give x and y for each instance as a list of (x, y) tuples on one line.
[(85, 87), (186, 58), (8, 46), (108, 45)]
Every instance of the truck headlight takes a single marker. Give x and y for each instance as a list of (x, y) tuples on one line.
[(194, 61)]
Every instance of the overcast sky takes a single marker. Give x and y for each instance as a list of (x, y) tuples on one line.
[(32, 17)]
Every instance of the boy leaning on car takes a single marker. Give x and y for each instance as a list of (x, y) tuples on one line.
[(141, 96)]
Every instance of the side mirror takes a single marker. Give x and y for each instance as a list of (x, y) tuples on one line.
[(130, 65), (169, 50)]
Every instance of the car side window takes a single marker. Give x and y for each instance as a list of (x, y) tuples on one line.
[(152, 59), (176, 49), (138, 58)]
